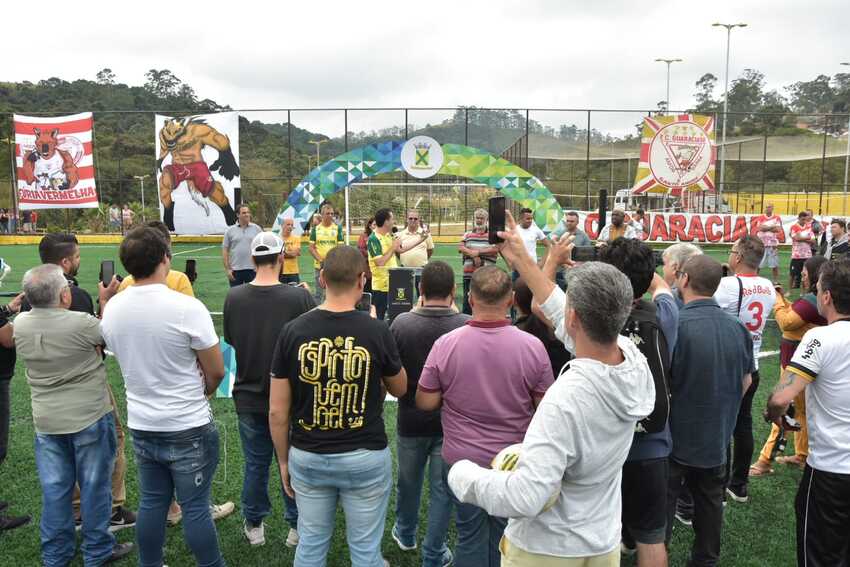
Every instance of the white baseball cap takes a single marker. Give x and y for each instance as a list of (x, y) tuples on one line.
[(266, 243)]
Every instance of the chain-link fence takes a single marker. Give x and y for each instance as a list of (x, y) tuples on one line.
[(791, 160)]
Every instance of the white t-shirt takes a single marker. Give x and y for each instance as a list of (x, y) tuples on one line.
[(154, 333), (757, 302), (530, 236), (638, 228), (822, 359)]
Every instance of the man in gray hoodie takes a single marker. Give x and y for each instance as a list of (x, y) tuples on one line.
[(581, 433)]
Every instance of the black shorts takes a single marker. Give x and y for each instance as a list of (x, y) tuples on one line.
[(645, 500), (823, 518)]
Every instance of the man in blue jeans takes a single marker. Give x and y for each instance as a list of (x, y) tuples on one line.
[(169, 354), (489, 377), (328, 375), (75, 433), (254, 314), (420, 435)]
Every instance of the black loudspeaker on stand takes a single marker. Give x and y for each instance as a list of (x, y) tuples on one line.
[(237, 196), (603, 209)]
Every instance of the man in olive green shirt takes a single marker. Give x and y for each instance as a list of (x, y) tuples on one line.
[(75, 431)]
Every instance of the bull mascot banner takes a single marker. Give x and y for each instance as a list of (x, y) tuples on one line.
[(53, 157), (197, 170), (677, 156)]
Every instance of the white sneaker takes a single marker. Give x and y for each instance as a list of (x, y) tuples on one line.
[(220, 511), (292, 538), (256, 535)]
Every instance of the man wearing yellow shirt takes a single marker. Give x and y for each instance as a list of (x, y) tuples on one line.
[(418, 243), (382, 248), (323, 238), (291, 252)]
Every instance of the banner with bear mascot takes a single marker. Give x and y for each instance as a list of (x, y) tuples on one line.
[(55, 167), (197, 171)]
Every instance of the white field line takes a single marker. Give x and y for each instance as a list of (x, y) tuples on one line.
[(193, 250)]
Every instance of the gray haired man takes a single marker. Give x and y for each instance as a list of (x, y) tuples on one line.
[(477, 252), (74, 428), (582, 430)]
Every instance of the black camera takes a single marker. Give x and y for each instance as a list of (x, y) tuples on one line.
[(788, 424)]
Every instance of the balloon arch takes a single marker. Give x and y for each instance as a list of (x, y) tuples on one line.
[(417, 156)]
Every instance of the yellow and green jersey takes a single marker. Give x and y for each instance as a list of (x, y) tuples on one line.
[(377, 245), (325, 238)]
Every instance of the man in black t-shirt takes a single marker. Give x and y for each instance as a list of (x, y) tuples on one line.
[(63, 250), (329, 373), (420, 434), (254, 314), (7, 370)]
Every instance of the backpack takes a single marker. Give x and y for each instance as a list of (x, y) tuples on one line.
[(642, 328)]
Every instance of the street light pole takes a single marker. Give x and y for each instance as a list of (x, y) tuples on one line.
[(669, 62), (846, 161), (141, 179), (318, 143), (725, 108)]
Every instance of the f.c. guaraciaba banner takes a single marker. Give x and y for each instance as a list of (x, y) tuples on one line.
[(197, 171), (677, 155), (697, 228), (53, 158)]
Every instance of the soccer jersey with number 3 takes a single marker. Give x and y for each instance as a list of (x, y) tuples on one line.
[(757, 297)]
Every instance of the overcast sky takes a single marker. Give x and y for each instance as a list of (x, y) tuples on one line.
[(434, 53)]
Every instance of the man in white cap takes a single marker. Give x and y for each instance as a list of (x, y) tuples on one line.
[(254, 314)]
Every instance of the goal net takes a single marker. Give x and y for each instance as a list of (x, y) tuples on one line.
[(445, 207)]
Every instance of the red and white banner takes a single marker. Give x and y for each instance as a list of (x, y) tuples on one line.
[(55, 167), (696, 228), (677, 155)]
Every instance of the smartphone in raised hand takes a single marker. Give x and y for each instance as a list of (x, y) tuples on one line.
[(496, 220), (365, 303), (107, 272)]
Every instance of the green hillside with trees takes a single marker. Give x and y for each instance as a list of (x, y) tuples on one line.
[(124, 141)]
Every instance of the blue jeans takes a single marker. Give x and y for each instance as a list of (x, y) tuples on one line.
[(258, 451), (361, 480), (379, 300), (413, 455), (289, 278), (319, 292), (467, 283), (184, 461), (242, 277), (478, 536), (86, 457)]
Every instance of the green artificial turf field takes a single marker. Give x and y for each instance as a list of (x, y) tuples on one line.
[(757, 534)]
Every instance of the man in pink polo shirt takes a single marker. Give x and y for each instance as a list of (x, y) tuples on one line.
[(489, 378)]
